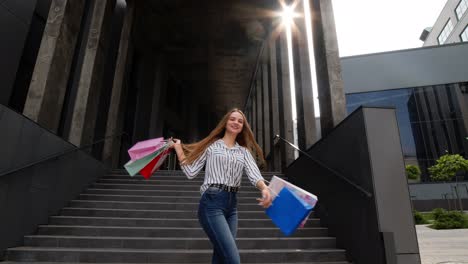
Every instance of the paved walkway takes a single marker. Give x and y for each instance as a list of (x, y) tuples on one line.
[(442, 246)]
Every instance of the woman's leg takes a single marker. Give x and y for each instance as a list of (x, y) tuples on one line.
[(231, 216), (217, 257), (211, 213)]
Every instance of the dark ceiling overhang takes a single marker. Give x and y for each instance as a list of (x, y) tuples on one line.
[(210, 46)]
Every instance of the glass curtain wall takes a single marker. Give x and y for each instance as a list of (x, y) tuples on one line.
[(433, 120)]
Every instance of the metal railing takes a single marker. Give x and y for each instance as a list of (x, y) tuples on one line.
[(60, 154), (321, 164)]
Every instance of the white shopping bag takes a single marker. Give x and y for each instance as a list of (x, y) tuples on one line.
[(277, 184)]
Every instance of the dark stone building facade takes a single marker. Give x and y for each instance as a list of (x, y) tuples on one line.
[(88, 70)]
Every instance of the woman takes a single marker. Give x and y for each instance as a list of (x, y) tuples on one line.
[(226, 153)]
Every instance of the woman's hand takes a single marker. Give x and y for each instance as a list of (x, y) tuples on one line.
[(175, 143), (265, 201)]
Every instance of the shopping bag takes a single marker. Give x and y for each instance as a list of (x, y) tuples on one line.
[(144, 148), (277, 184), (288, 210), (154, 165), (134, 166), (161, 160)]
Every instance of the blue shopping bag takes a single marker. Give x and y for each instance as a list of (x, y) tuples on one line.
[(288, 210)]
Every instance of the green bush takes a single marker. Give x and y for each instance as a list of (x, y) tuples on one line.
[(419, 218), (437, 212), (413, 172), (450, 220), (447, 166)]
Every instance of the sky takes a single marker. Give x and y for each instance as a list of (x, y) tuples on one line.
[(370, 26)]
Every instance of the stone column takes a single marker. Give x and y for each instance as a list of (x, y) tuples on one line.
[(301, 132), (193, 120), (284, 94), (327, 62), (259, 103), (89, 88), (144, 97), (116, 114), (307, 129), (158, 102), (249, 113), (274, 104), (266, 108), (46, 93), (254, 112)]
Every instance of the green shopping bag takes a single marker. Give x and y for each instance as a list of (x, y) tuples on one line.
[(134, 166)]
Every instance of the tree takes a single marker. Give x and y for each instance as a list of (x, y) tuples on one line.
[(447, 166), (413, 172)]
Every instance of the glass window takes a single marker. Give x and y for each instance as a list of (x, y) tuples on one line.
[(464, 35), (399, 99), (461, 8), (445, 32), (432, 120)]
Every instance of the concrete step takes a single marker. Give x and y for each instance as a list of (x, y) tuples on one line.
[(179, 172), (180, 177), (182, 174), (152, 205), (245, 189), (166, 214), (179, 193), (147, 198), (176, 243), (168, 256), (37, 262), (156, 222), (193, 232), (174, 180), (161, 181)]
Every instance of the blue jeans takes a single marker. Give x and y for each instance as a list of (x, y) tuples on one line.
[(217, 213)]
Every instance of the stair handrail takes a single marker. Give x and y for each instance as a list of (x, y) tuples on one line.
[(321, 164), (60, 154)]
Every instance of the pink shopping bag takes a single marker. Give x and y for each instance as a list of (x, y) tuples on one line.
[(144, 148)]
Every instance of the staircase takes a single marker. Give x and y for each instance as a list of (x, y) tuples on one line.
[(120, 219)]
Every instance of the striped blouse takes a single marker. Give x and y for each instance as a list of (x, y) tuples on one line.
[(224, 165)]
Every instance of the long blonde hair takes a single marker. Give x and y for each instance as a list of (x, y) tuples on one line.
[(245, 138)]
